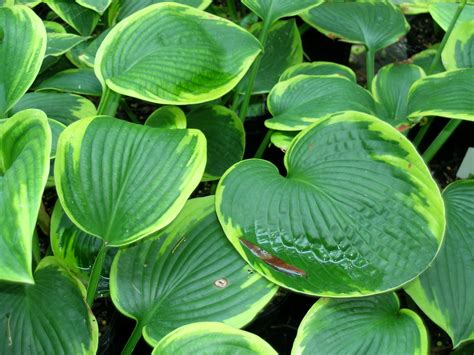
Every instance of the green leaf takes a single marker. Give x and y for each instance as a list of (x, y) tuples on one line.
[(50, 317), (167, 117), (272, 10), (443, 12), (318, 68), (459, 50), (65, 108), (97, 5), (212, 338), (121, 181), (22, 48), (56, 129), (225, 137), (81, 19), (372, 325), (298, 102), (444, 292), (25, 144), (283, 140), (390, 89), (376, 24), (77, 81), (210, 55), (358, 212), (187, 273), (413, 7), (30, 3), (447, 94), (60, 43), (283, 49), (424, 59)]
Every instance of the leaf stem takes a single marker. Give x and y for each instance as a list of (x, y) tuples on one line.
[(263, 146), (422, 132), (232, 10), (109, 103), (95, 274), (437, 57), (370, 67), (254, 71), (439, 141), (133, 340)]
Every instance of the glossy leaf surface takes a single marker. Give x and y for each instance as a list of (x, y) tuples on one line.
[(25, 144), (210, 55), (76, 81), (318, 68), (328, 228), (273, 10), (81, 19), (444, 292), (187, 273), (121, 181), (372, 325), (459, 50)]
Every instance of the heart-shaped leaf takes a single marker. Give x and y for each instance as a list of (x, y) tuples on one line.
[(459, 50), (376, 24), (25, 144), (272, 10), (318, 68), (209, 55), (443, 13), (121, 181), (444, 292), (81, 19), (50, 317), (97, 5), (187, 273), (65, 108), (357, 214), (390, 89), (167, 117), (76, 81), (212, 338), (22, 48), (447, 94), (225, 137), (298, 102), (371, 325)]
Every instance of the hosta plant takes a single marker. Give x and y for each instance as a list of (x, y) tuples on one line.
[(127, 174)]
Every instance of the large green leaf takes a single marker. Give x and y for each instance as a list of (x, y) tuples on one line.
[(225, 137), (25, 144), (167, 117), (298, 102), (121, 181), (390, 89), (371, 325), (272, 10), (376, 24), (358, 212), (212, 338), (444, 292), (66, 108), (22, 48), (443, 12), (81, 19), (459, 50), (97, 5), (318, 68), (187, 273), (447, 94), (283, 49), (77, 81), (192, 55), (50, 317)]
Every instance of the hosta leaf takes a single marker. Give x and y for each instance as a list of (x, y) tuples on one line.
[(210, 55), (298, 102), (413, 7), (167, 117), (121, 181), (283, 49), (22, 48), (97, 5), (65, 108), (318, 68), (390, 89), (77, 81), (56, 129), (371, 325), (447, 94), (187, 273), (50, 317), (459, 50), (30, 3), (225, 137), (25, 144), (60, 43), (212, 338), (357, 214), (444, 292), (376, 24), (424, 59), (443, 12), (81, 19), (283, 140), (272, 10)]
